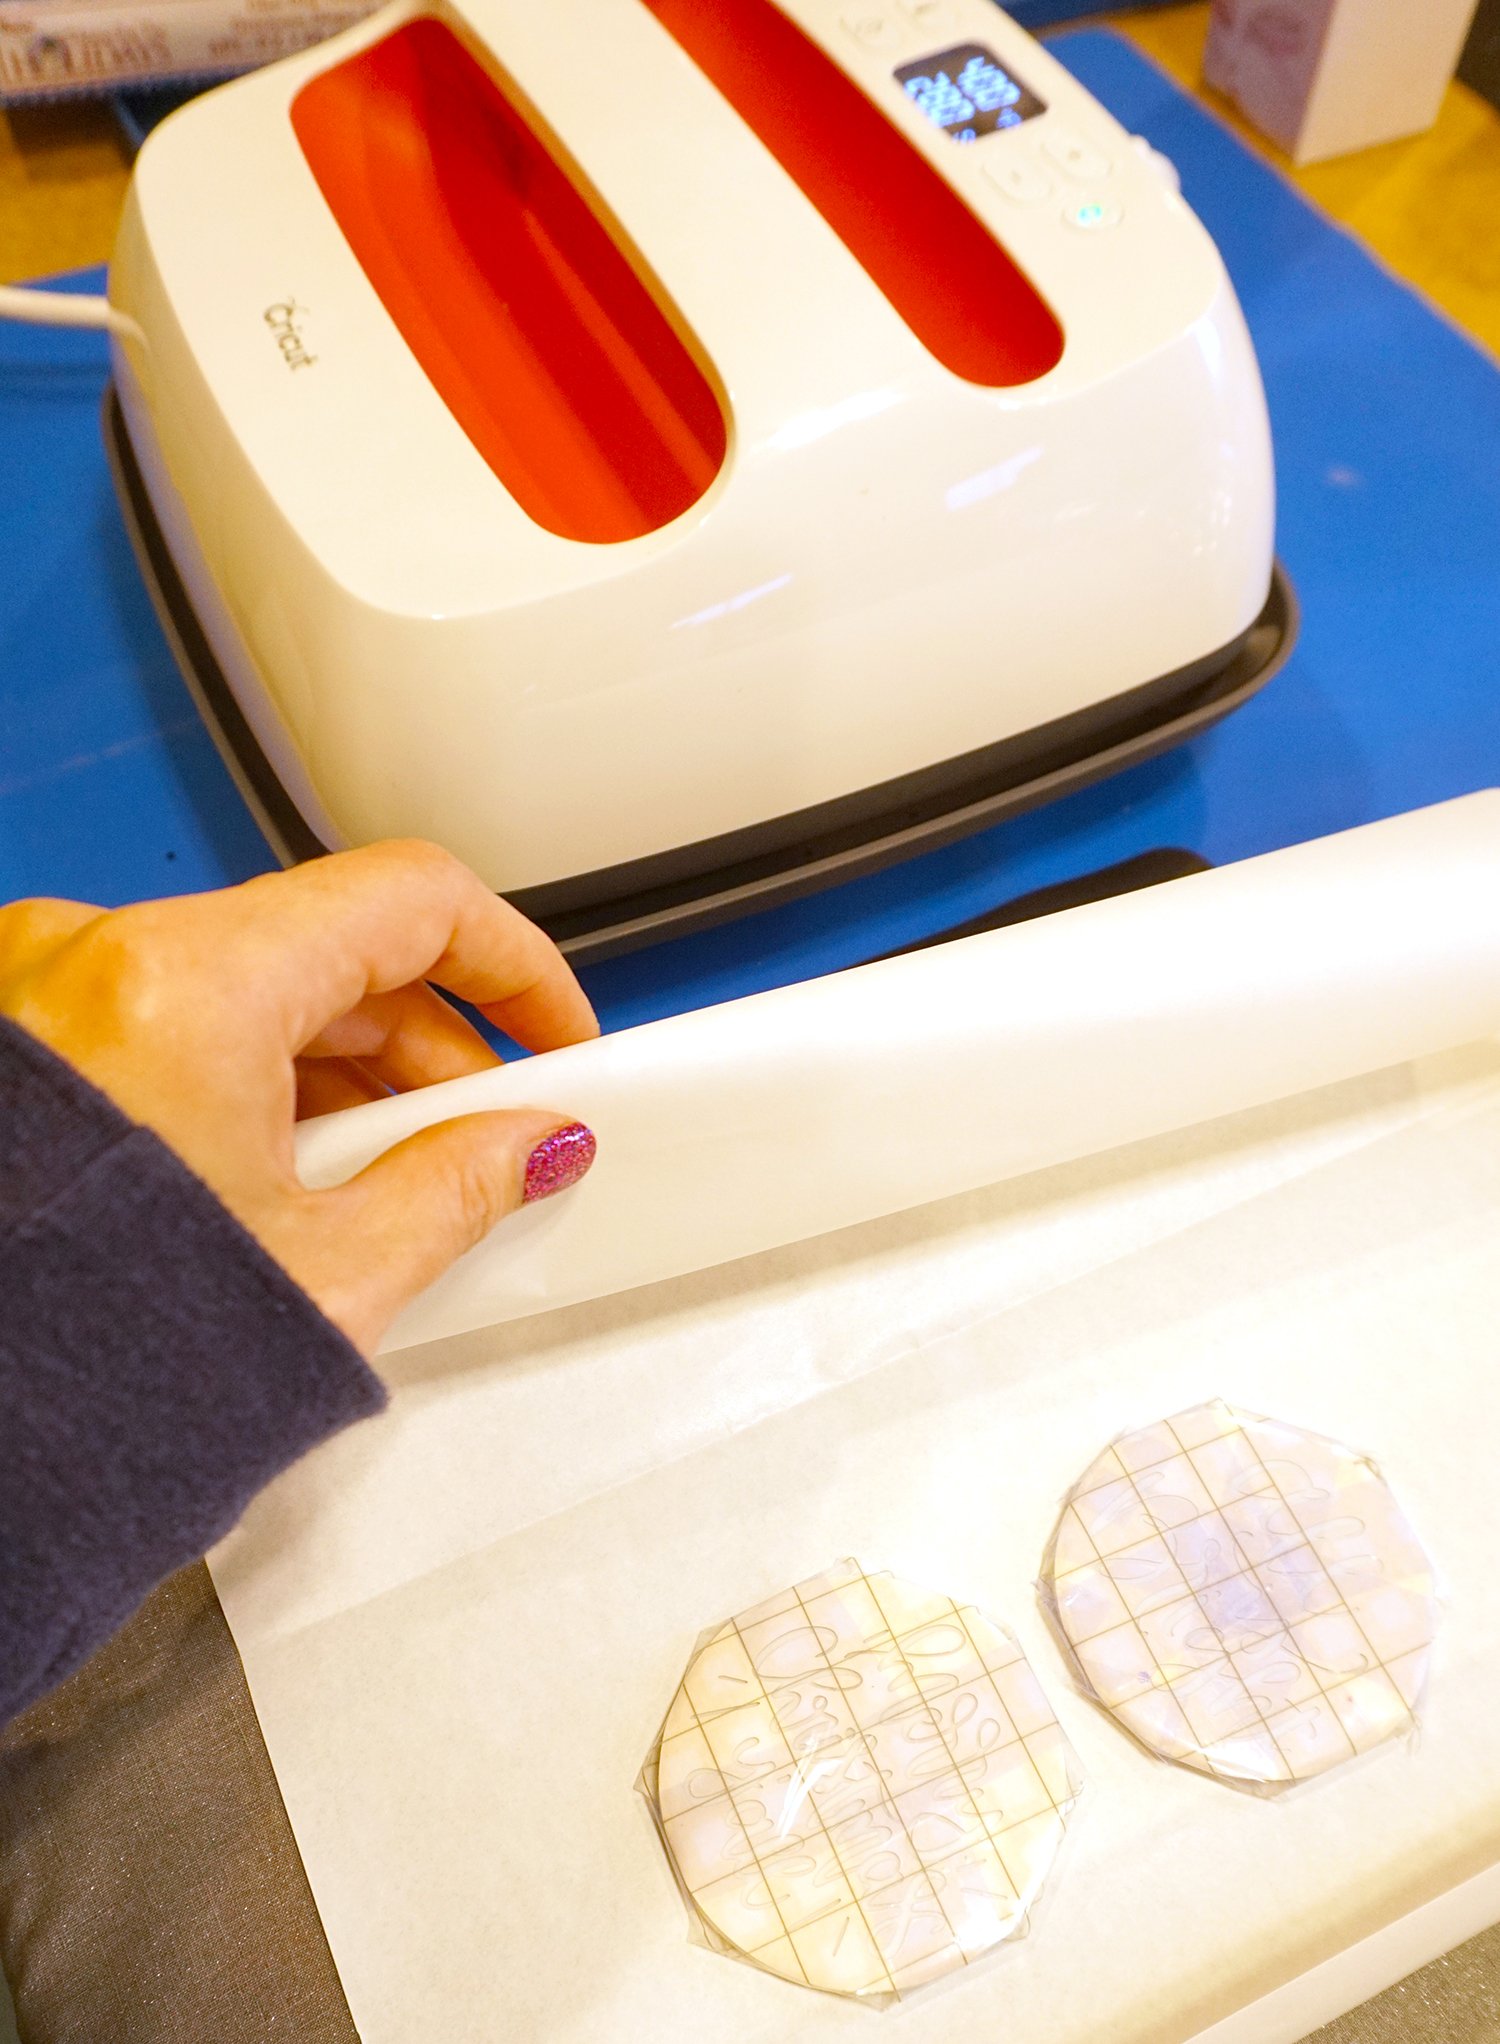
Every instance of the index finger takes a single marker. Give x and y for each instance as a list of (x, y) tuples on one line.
[(364, 922)]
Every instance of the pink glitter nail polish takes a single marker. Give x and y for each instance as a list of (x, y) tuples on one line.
[(558, 1161)]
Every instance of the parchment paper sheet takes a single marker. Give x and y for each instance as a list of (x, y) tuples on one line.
[(491, 1431), (461, 1623), (457, 1753), (814, 1107)]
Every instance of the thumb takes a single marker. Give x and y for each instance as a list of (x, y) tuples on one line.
[(405, 1218)]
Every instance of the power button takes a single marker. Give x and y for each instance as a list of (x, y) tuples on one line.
[(1020, 177), (874, 26), (1092, 216)]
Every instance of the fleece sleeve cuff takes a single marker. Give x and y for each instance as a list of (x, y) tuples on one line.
[(157, 1368)]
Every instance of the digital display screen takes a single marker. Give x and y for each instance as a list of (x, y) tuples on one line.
[(967, 92)]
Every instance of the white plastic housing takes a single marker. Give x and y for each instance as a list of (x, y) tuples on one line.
[(894, 566)]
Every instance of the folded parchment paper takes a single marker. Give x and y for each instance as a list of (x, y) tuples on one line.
[(457, 1751), (458, 1621), (781, 1117)]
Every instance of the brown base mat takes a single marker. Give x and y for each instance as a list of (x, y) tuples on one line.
[(150, 1887)]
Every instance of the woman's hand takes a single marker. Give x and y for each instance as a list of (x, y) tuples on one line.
[(217, 1019)]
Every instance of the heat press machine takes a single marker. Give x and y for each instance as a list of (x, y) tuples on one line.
[(679, 453)]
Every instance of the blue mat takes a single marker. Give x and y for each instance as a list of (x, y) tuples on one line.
[(1039, 14), (1387, 429)]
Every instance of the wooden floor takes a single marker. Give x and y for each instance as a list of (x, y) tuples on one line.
[(62, 178), (1427, 207)]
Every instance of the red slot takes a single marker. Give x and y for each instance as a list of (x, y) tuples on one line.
[(529, 320), (937, 263)]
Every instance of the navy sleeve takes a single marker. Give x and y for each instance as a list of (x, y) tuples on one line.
[(157, 1367)]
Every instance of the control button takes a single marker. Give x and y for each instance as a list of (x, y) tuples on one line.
[(877, 30), (1019, 177), (1164, 167), (1092, 215), (1075, 157)]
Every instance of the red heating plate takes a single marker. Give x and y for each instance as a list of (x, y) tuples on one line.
[(936, 262), (528, 318)]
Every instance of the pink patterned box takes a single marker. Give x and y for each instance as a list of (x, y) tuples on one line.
[(1323, 77)]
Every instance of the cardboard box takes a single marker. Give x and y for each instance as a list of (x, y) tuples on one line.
[(1322, 77)]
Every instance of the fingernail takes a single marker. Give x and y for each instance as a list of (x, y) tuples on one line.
[(558, 1161)]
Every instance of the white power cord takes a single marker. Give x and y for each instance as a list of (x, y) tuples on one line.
[(64, 308)]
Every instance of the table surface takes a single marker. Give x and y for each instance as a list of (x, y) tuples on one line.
[(1424, 206)]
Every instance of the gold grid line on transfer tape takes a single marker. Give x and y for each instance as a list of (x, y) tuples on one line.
[(744, 1827), (1344, 1605), (745, 1831), (918, 1706), (1248, 1570), (807, 1801), (885, 1807), (921, 1705), (1251, 1571)]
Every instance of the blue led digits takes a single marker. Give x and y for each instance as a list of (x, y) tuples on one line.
[(940, 99), (967, 92), (987, 85)]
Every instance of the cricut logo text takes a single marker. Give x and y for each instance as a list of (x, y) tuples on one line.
[(282, 320)]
